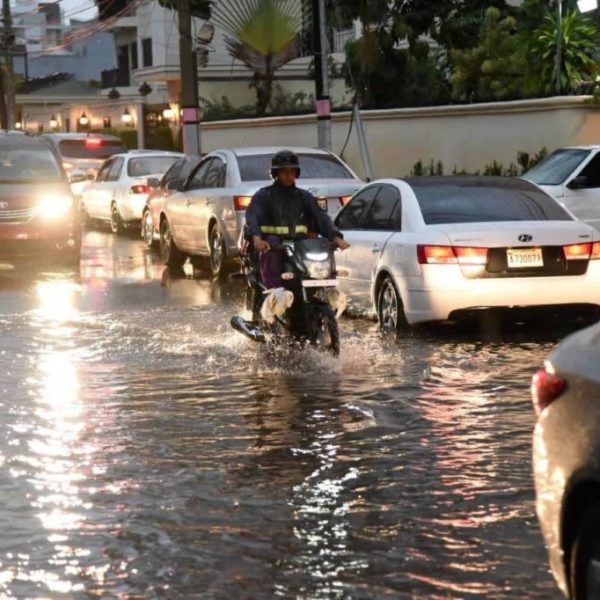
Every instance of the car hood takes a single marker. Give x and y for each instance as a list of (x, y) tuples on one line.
[(579, 353), (533, 233), (18, 195)]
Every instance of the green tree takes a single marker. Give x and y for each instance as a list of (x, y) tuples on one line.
[(578, 44), (262, 34), (494, 69)]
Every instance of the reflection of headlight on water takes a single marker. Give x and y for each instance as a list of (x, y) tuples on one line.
[(54, 207), (318, 269)]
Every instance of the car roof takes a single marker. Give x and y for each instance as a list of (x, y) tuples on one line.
[(145, 154), (514, 183), (10, 138), (251, 150), (80, 136)]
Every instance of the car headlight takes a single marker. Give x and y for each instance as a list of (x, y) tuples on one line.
[(54, 207), (320, 269)]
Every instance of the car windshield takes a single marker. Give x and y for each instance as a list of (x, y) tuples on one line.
[(450, 203), (555, 169), (29, 164), (149, 165), (92, 148), (256, 167)]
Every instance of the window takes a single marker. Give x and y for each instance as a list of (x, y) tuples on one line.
[(476, 203), (134, 55), (173, 172), (115, 170), (215, 177), (382, 212), (197, 178), (28, 163), (103, 172), (351, 215), (90, 148), (147, 52), (591, 172), (142, 166), (557, 167), (312, 166)]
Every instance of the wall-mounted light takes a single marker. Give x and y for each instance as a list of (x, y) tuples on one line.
[(168, 114), (144, 89), (53, 122), (114, 94), (127, 118), (18, 125), (83, 120)]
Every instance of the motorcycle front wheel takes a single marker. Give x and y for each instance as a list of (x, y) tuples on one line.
[(327, 334)]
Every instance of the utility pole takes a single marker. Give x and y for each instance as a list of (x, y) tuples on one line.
[(323, 101), (7, 39), (189, 81)]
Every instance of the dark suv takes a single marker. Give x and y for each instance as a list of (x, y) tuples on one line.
[(39, 216)]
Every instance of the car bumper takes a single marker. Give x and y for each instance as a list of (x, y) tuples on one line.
[(132, 207), (443, 291), (36, 240)]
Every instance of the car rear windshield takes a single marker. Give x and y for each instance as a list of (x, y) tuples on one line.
[(94, 148), (448, 203), (312, 166), (149, 165), (28, 164), (555, 169)]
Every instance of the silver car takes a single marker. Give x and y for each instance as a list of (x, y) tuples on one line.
[(566, 461), (204, 218)]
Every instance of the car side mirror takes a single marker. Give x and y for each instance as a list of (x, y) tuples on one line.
[(175, 185), (77, 176), (578, 183), (153, 182)]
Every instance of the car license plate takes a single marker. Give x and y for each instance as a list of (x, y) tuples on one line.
[(524, 257), (320, 282)]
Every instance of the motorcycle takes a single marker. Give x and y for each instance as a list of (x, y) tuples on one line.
[(309, 272)]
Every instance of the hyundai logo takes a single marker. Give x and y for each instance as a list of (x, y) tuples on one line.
[(525, 237)]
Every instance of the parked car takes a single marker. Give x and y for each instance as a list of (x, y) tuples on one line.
[(161, 189), (566, 461), (204, 218), (119, 192), (442, 248), (571, 175), (39, 216), (82, 154)]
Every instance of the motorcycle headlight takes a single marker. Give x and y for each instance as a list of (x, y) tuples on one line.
[(318, 269), (54, 206)]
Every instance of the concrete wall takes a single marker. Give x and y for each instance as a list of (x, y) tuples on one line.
[(467, 137)]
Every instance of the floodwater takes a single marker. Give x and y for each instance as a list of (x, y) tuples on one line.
[(149, 451)]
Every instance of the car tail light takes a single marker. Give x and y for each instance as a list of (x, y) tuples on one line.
[(241, 202), (451, 255), (344, 200), (595, 251), (93, 142), (140, 189), (578, 251), (545, 388)]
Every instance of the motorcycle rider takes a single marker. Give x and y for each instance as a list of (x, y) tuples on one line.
[(283, 210)]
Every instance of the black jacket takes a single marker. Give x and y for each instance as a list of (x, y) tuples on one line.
[(287, 211)]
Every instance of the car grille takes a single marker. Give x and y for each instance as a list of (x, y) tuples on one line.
[(16, 216), (554, 265)]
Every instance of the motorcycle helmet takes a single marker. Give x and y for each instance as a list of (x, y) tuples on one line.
[(284, 159)]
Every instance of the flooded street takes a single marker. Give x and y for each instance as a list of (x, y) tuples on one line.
[(149, 451)]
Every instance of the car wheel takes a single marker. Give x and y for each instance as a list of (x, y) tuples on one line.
[(390, 310), (169, 252), (148, 229), (584, 559), (116, 222), (217, 252)]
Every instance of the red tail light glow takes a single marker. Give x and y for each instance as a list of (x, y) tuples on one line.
[(241, 202), (578, 251), (595, 251), (545, 388), (93, 142), (451, 255), (140, 189)]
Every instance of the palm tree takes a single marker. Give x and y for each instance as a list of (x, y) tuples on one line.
[(262, 34)]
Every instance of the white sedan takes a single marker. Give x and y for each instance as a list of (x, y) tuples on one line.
[(440, 248), (119, 192)]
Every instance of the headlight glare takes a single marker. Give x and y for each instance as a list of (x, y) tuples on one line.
[(54, 206)]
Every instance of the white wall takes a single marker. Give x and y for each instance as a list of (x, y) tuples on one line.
[(467, 137)]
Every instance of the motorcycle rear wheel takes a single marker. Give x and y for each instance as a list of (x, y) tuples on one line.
[(328, 335)]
